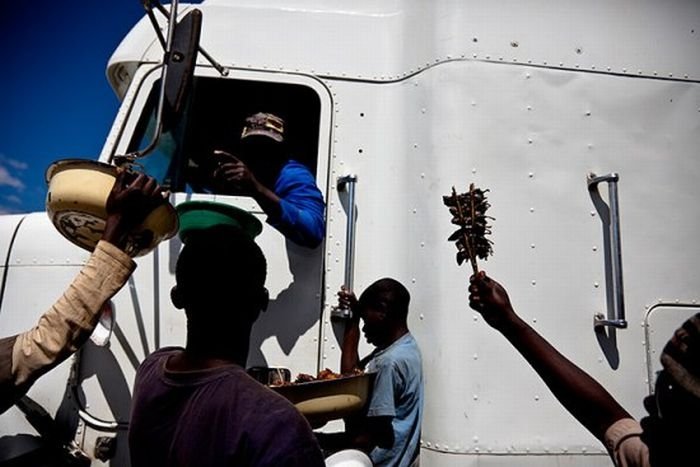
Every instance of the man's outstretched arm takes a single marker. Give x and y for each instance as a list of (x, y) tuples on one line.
[(588, 401)]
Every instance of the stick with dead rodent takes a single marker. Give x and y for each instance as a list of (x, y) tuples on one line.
[(469, 213)]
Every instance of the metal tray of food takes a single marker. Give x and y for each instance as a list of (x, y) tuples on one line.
[(322, 400)]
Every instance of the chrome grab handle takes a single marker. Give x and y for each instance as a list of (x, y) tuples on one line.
[(348, 183), (617, 319)]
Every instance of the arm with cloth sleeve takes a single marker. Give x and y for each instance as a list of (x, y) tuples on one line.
[(301, 207), (69, 322), (294, 206)]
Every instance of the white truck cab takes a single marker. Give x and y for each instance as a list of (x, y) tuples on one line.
[(581, 118)]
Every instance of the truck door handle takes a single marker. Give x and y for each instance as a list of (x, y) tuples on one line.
[(610, 216), (348, 183)]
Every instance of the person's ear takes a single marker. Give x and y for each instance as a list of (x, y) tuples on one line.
[(177, 298)]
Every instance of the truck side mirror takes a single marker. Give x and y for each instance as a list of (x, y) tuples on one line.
[(179, 59), (180, 62)]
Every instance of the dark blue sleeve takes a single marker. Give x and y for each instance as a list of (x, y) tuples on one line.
[(302, 207)]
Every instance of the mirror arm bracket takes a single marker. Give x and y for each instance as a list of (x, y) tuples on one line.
[(220, 68)]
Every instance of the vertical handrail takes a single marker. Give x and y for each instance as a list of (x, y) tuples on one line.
[(614, 245), (348, 183)]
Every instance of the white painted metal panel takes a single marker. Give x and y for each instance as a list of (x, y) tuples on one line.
[(388, 40), (38, 242), (441, 459), (8, 225), (531, 136), (29, 292)]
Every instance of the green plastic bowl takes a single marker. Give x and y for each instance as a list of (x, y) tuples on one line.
[(199, 215)]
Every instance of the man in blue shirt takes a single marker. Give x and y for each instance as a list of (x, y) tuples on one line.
[(284, 188), (390, 429)]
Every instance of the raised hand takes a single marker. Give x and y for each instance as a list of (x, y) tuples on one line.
[(234, 175), (348, 301), (133, 197), (490, 299)]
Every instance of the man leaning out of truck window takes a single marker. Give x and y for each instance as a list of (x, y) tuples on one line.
[(284, 188), (390, 429), (69, 322)]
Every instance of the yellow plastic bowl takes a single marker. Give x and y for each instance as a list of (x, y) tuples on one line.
[(76, 204)]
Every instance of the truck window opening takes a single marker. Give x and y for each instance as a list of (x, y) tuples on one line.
[(213, 119)]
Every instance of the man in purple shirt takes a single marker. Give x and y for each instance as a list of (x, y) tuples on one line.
[(197, 405)]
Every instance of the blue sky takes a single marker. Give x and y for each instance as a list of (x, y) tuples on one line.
[(56, 101)]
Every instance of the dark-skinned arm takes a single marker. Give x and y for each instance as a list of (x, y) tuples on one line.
[(236, 178), (296, 209), (589, 402), (349, 356)]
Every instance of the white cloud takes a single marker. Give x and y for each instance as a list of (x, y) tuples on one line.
[(11, 173), (8, 172), (15, 164), (7, 179)]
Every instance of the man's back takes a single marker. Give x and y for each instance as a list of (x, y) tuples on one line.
[(216, 417)]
